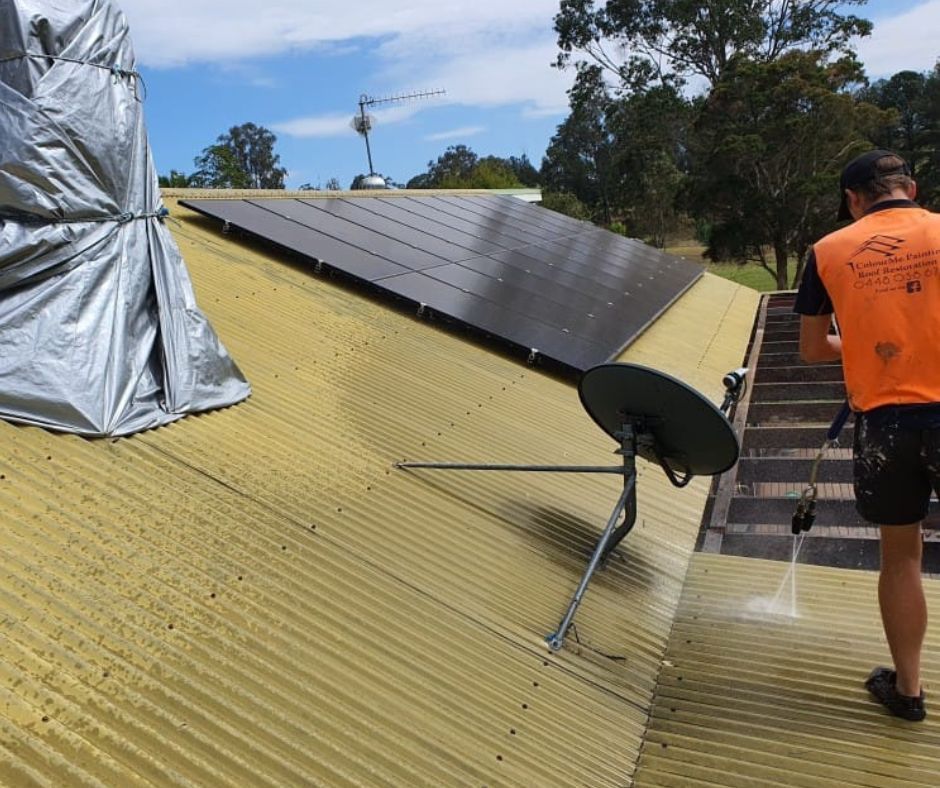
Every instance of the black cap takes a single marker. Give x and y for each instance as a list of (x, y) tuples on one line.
[(860, 171)]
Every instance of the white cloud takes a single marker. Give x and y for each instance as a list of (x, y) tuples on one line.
[(512, 75), (452, 134), (494, 74), (339, 124), (328, 125), (903, 41), (175, 32), (487, 53)]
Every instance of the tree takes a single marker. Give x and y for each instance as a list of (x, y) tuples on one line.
[(218, 168), (490, 172), (568, 204), (915, 129), (905, 92), (650, 130), (524, 170), (421, 181), (928, 175), (460, 168), (767, 151), (244, 156), (455, 164), (669, 40), (175, 180), (308, 187), (580, 156), (332, 185)]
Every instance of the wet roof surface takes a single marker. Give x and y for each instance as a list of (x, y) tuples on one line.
[(255, 596)]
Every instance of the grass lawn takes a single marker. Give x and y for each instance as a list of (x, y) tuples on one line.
[(751, 275)]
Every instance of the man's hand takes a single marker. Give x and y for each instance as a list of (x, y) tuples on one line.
[(817, 345)]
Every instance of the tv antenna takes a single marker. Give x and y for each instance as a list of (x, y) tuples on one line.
[(363, 123), (649, 414)]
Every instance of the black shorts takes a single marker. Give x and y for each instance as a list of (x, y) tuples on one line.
[(897, 463)]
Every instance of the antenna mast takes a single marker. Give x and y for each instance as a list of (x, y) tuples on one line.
[(363, 123)]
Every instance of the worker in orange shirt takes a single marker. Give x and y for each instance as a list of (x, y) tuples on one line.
[(880, 275)]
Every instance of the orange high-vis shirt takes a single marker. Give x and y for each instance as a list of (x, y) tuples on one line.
[(883, 276)]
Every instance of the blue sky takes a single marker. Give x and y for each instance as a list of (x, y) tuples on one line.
[(299, 66)]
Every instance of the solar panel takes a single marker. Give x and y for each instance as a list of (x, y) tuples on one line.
[(525, 275)]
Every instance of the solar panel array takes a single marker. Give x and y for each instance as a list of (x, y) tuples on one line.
[(536, 279)]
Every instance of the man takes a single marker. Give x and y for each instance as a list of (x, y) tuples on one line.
[(881, 278)]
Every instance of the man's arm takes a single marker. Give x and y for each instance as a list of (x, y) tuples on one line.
[(816, 343), (815, 309)]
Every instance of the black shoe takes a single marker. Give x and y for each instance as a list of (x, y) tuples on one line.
[(882, 684)]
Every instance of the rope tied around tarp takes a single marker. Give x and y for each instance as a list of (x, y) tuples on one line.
[(10, 279), (122, 218), (120, 74)]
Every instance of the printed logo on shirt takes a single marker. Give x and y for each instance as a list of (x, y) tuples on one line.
[(881, 264), (885, 245)]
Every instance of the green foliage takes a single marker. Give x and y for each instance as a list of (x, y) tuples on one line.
[(218, 168), (243, 158), (566, 203), (460, 168), (752, 276), (767, 151), (621, 156), (650, 129), (752, 163), (580, 156), (914, 130), (525, 172), (175, 180), (454, 165), (422, 181), (488, 173), (703, 230), (665, 41), (333, 185)]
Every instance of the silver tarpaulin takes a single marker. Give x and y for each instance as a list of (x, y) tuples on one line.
[(99, 330)]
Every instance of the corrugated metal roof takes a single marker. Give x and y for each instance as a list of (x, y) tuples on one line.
[(255, 596), (751, 698)]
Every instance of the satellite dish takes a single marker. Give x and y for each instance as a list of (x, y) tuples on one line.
[(362, 124), (650, 414), (682, 429)]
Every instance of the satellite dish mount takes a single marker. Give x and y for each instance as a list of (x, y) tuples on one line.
[(649, 414)]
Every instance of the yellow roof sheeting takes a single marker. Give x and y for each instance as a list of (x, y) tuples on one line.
[(256, 597), (749, 697)]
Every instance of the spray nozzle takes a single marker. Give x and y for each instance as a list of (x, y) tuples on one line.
[(805, 514)]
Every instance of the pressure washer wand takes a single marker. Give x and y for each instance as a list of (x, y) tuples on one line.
[(805, 514)]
